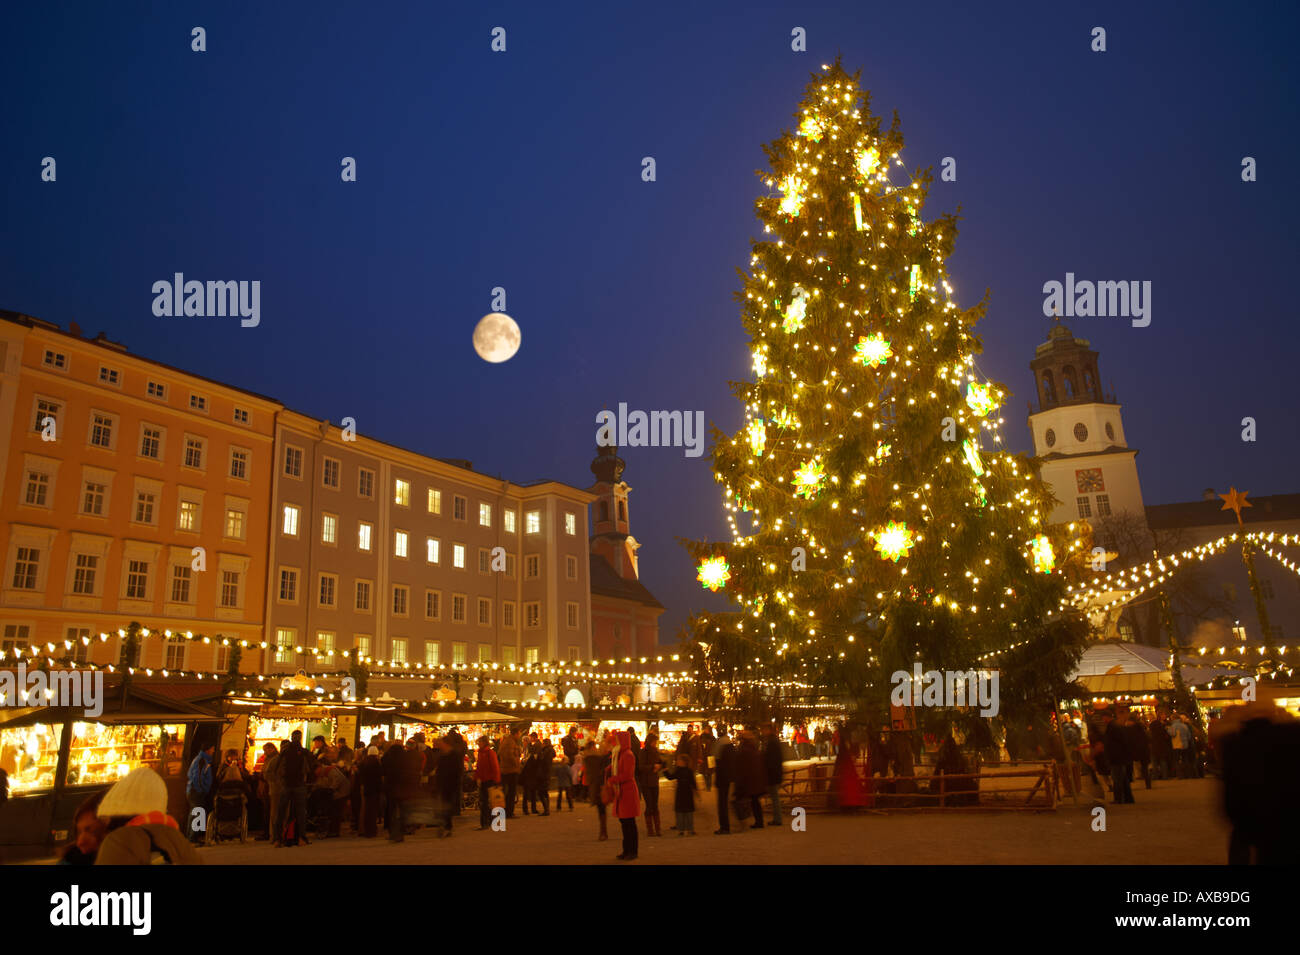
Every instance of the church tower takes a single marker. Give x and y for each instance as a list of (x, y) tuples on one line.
[(1079, 436), (610, 537)]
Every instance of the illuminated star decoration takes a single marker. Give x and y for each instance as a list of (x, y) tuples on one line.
[(714, 573), (812, 127), (973, 457), (1044, 558), (894, 541), (1234, 501), (793, 188), (795, 311), (867, 160), (757, 437), (808, 480), (980, 398), (873, 350)]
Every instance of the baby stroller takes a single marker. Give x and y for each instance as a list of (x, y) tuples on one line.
[(230, 814), (319, 803), (469, 792)]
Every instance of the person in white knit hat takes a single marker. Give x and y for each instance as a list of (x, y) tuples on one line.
[(139, 830)]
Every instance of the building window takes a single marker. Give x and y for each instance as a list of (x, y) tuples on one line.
[(56, 359), (458, 608), (363, 536), (328, 585), (362, 643), (431, 548), (288, 585), (79, 638), (229, 590), (363, 596), (571, 615), (533, 522), (508, 656), (402, 493), (221, 663), (156, 389), (431, 648), (284, 652), (399, 649), (137, 580), (101, 430), (92, 499), (458, 556), (293, 462), (435, 501), (1103, 505), (324, 645), (622, 510), (330, 473), (432, 605), (1085, 507), (38, 486), (290, 524), (508, 521), (508, 614), (83, 574), (198, 403), (1239, 632), (399, 543), (46, 409), (484, 515), (181, 577), (484, 612), (234, 523), (484, 653), (194, 452), (530, 656), (573, 654), (240, 416), (532, 566), (571, 567), (400, 595), (329, 529), (571, 524), (532, 615), (109, 376), (484, 561), (150, 442), (458, 654), (17, 637), (144, 502), (458, 505), (365, 483), (239, 463), (174, 655), (510, 565)]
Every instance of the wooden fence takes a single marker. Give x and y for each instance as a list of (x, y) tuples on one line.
[(1032, 786)]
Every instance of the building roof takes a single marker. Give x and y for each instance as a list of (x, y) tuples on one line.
[(605, 582), (1263, 510)]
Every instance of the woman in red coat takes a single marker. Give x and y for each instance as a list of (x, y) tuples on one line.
[(627, 799), (848, 787)]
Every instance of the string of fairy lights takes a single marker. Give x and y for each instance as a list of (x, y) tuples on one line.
[(837, 158)]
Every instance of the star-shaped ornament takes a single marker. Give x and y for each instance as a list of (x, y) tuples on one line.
[(1234, 501)]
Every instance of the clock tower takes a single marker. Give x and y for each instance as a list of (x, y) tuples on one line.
[(1079, 435)]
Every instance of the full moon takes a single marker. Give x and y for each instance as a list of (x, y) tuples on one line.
[(496, 337)]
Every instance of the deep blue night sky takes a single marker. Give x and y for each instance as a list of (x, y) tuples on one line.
[(478, 169)]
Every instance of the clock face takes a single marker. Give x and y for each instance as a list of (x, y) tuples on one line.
[(1089, 480)]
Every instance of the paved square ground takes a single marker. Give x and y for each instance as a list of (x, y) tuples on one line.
[(1178, 822)]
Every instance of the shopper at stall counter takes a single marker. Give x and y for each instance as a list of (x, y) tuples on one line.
[(293, 772), (139, 830), (725, 776), (198, 790), (507, 754), (488, 773), (88, 833), (627, 798)]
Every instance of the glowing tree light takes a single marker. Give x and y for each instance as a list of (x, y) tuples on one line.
[(868, 159), (813, 127), (714, 573), (792, 202), (1043, 555), (873, 350), (894, 541), (809, 479)]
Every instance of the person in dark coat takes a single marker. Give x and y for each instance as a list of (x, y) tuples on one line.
[(371, 776), (446, 783), (724, 778), (528, 773), (569, 745), (751, 776), (774, 767), (684, 800), (595, 760), (1139, 746), (1115, 743), (1162, 748), (544, 762), (708, 746), (1259, 747), (649, 764)]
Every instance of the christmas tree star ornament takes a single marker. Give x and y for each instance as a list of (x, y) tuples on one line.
[(894, 541), (809, 479), (979, 398), (714, 573), (1043, 556), (873, 350), (1234, 501)]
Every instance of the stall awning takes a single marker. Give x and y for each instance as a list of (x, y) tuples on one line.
[(1127, 683)]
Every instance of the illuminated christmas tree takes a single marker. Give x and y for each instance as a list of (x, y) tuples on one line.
[(876, 518)]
